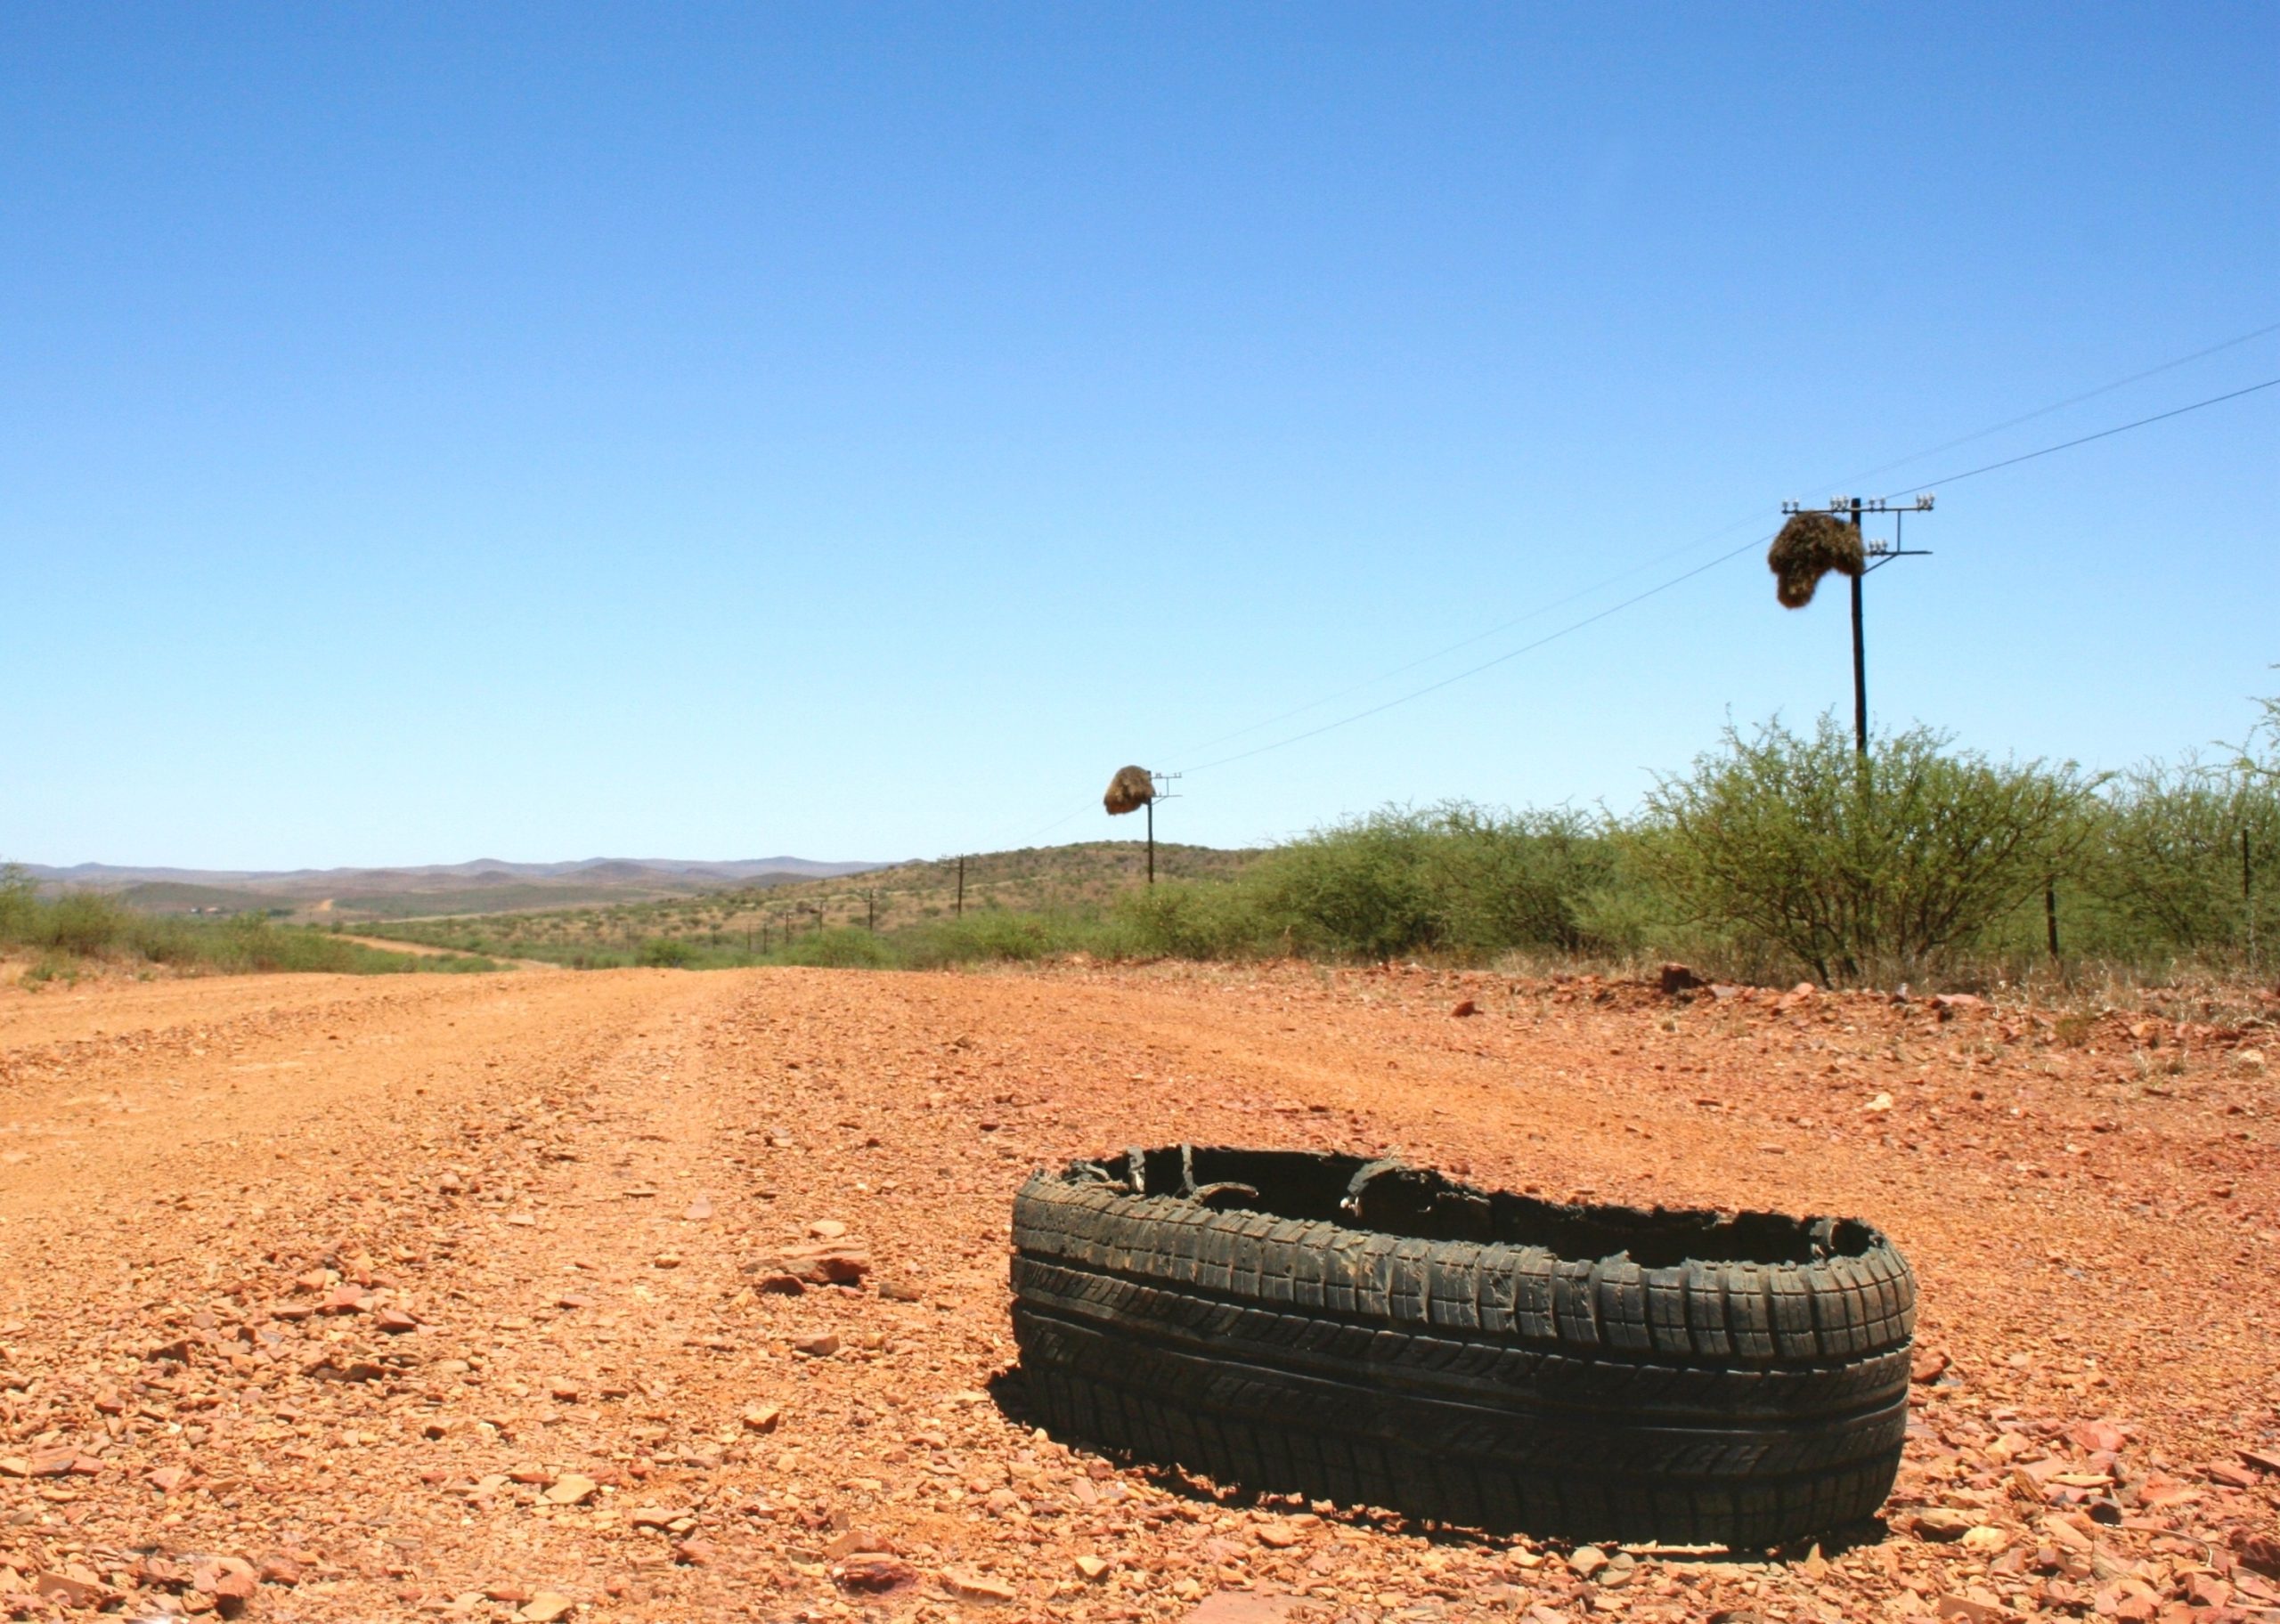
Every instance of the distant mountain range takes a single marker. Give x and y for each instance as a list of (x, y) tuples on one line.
[(481, 868), (486, 885)]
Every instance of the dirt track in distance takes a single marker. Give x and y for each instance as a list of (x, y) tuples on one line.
[(422, 1295)]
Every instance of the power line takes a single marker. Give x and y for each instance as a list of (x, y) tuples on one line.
[(1700, 569), (1613, 609), (2068, 445), (1538, 613), (1486, 664), (1065, 818), (1873, 555), (1647, 563), (2071, 400)]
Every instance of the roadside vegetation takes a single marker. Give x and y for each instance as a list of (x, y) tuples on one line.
[(1005, 904), (1063, 888), (1778, 853), (77, 932)]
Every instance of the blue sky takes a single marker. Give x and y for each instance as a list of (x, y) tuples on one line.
[(548, 432)]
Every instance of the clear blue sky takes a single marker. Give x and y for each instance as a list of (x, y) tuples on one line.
[(855, 431)]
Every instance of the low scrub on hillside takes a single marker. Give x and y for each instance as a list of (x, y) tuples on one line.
[(1777, 853), (67, 933)]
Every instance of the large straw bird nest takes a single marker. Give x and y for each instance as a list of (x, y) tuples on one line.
[(1130, 790), (1809, 546)]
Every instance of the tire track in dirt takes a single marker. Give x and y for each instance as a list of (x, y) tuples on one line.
[(438, 1297)]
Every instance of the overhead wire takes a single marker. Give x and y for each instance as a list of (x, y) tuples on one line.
[(1647, 563), (1434, 688), (1421, 692), (1679, 580), (2068, 445), (1536, 613), (2071, 400)]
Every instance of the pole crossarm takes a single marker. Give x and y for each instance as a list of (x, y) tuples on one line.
[(1162, 783), (1874, 555), (1847, 506)]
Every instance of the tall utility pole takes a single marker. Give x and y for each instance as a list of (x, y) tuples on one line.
[(1876, 555), (958, 912), (1160, 780), (1860, 650)]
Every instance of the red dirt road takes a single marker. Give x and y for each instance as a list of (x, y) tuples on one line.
[(425, 1297)]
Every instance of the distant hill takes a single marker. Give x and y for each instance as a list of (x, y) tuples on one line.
[(1086, 875), (486, 885), (618, 868), (111, 875)]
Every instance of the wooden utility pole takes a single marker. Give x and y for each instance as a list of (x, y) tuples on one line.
[(1876, 555), (1162, 781), (958, 912), (1860, 652)]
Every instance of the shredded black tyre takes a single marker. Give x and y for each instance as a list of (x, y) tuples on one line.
[(1373, 1334)]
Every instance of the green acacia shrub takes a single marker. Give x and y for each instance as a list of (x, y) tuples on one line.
[(839, 948), (2188, 861), (1002, 936), (85, 923), (1454, 879), (1357, 890), (81, 923), (1885, 871), (19, 905), (1198, 919), (1501, 881), (984, 934)]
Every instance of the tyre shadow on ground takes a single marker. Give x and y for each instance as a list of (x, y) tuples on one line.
[(1007, 1391)]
